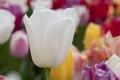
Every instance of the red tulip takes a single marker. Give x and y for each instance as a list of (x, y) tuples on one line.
[(112, 25), (98, 9), (66, 3), (58, 3), (28, 2)]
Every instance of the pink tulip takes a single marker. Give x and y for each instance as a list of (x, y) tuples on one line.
[(19, 44), (80, 60), (109, 46), (2, 78)]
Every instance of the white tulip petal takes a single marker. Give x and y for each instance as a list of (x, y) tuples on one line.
[(41, 3), (34, 44), (6, 25), (41, 18), (7, 14), (13, 75), (114, 64), (69, 12), (57, 41)]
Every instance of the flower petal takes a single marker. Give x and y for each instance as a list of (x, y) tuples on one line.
[(61, 32)]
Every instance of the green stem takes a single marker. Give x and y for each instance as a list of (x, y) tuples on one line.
[(47, 73)]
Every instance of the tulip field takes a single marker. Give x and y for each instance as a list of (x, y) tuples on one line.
[(59, 39)]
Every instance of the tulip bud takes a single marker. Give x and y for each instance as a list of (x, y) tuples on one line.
[(19, 44), (6, 25)]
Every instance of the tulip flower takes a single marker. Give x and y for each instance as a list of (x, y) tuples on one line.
[(6, 25), (112, 25), (50, 34), (83, 14), (18, 13), (2, 3), (114, 63), (3, 78), (65, 70), (66, 3), (117, 6), (80, 60), (42, 3), (95, 54), (21, 3), (92, 32), (98, 9), (19, 46), (13, 75), (57, 3), (99, 72), (72, 66), (117, 45), (108, 46)]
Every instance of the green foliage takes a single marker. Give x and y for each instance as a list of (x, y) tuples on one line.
[(24, 66), (78, 40)]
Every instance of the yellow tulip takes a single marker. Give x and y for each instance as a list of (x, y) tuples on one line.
[(111, 10), (92, 32), (65, 70), (117, 11)]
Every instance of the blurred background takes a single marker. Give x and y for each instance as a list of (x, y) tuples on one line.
[(94, 19)]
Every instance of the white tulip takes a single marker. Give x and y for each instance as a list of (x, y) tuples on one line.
[(82, 14), (41, 3), (13, 75), (50, 34), (6, 25), (21, 3), (114, 64)]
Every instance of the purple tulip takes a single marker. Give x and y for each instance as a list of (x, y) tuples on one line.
[(16, 11), (98, 72)]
